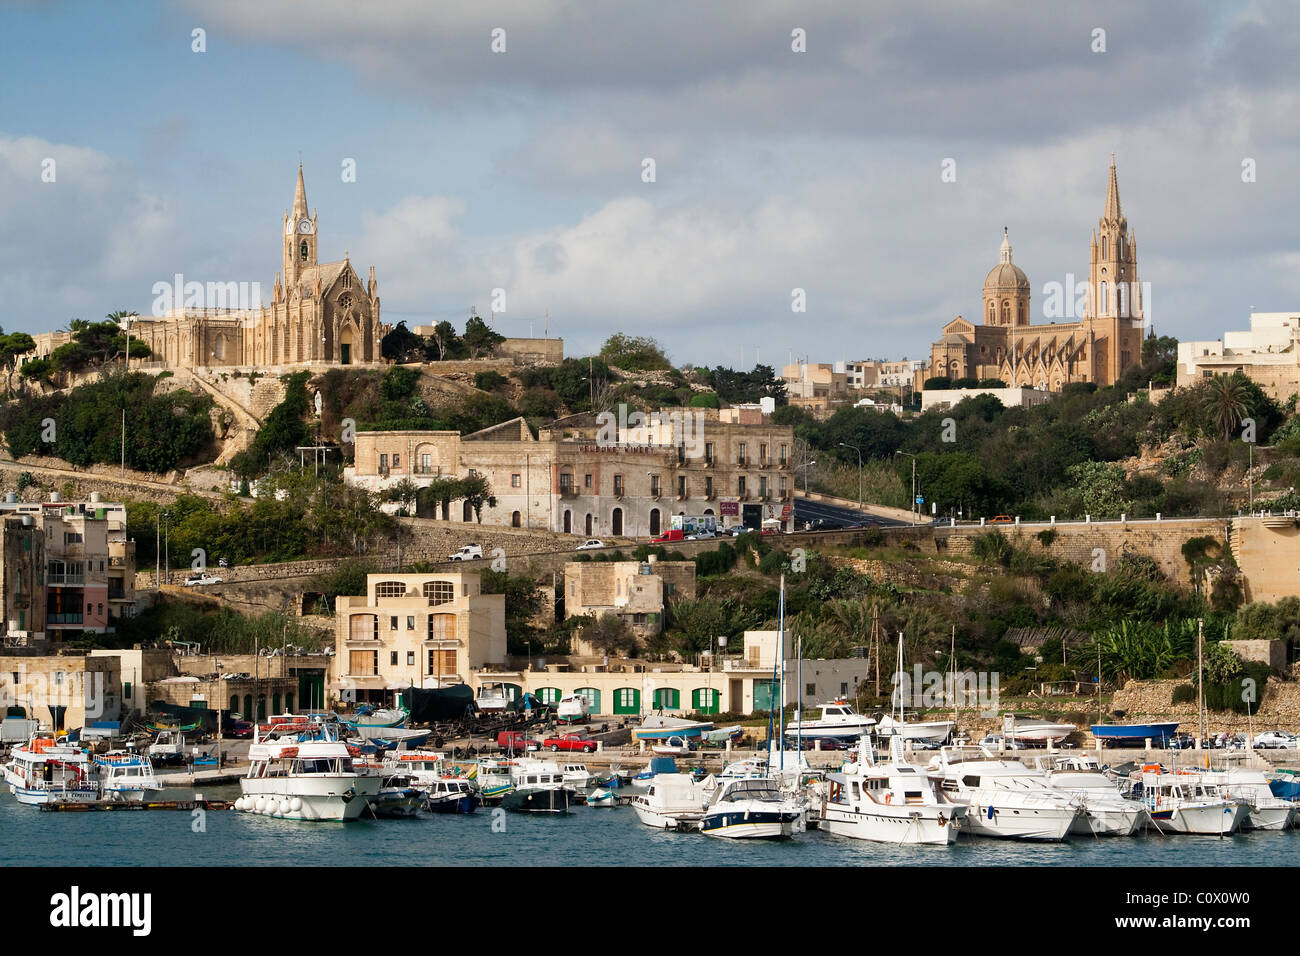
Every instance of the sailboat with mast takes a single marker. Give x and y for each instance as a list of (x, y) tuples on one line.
[(926, 732)]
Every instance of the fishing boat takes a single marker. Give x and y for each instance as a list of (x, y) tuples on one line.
[(577, 775), (397, 797), (1267, 811), (424, 767), (1135, 734), (1182, 802), (837, 720), (1005, 798), (126, 776), (492, 697), (539, 787), (673, 747), (44, 771), (571, 709), (305, 774), (674, 801), (1035, 731), (602, 797), (720, 736), (749, 808), (494, 778), (167, 749), (659, 726), (452, 795), (892, 802), (1109, 812), (657, 766)]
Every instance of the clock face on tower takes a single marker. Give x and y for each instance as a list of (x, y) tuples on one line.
[(304, 226)]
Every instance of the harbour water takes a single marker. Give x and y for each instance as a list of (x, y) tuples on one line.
[(589, 836)]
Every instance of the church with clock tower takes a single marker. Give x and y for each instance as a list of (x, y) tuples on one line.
[(320, 313)]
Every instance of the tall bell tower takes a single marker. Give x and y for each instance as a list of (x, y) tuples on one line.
[(299, 237)]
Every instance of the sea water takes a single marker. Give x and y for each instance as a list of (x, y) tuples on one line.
[(588, 836)]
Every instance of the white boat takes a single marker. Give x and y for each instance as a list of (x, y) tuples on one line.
[(126, 776), (837, 719), (1267, 811), (577, 775), (892, 802), (167, 749), (1033, 730), (1183, 803), (673, 801), (1109, 812), (43, 771), (1005, 798), (424, 767), (494, 778), (662, 726), (750, 808), (452, 795), (571, 709), (602, 797), (492, 697), (305, 779), (897, 725), (672, 747)]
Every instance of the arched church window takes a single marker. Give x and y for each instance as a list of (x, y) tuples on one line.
[(1020, 313), (345, 301), (1006, 312), (347, 279), (993, 314), (1121, 300), (302, 251), (1103, 247), (1102, 307)]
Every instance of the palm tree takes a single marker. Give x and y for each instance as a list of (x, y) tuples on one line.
[(1225, 401)]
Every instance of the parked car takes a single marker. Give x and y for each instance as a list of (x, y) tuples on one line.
[(467, 552), (997, 742), (239, 729), (672, 534), (828, 743), (570, 742), (736, 530), (197, 580), (701, 536), (1002, 519), (1274, 740), (591, 544), (1183, 741), (514, 740)]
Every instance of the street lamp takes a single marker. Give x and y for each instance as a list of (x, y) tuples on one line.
[(805, 466), (859, 451), (913, 457)]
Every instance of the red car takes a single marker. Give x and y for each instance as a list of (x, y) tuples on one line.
[(672, 534), (514, 740), (571, 742)]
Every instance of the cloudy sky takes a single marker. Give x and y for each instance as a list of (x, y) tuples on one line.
[(773, 169)]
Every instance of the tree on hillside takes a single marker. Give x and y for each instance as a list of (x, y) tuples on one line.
[(402, 345), (444, 344), (1225, 402), (480, 338), (13, 345), (634, 353), (609, 634), (735, 387)]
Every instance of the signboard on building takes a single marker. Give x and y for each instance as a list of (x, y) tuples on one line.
[(693, 523), (729, 508)]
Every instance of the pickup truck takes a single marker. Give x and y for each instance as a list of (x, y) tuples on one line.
[(570, 742), (672, 534), (467, 553), (514, 740)]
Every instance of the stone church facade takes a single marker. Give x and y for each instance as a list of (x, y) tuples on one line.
[(1098, 347), (320, 313)]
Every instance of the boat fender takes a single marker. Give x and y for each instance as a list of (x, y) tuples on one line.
[(889, 797), (991, 812), (348, 794), (943, 821), (295, 804)]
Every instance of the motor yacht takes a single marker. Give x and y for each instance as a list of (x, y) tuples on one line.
[(750, 808), (44, 771), (1005, 798), (1109, 812)]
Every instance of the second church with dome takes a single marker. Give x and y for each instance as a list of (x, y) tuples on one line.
[(1098, 347)]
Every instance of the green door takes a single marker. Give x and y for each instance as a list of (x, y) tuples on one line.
[(705, 700), (548, 695), (667, 698), (765, 694), (593, 699), (627, 700)]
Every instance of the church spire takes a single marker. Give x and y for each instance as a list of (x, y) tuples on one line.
[(1112, 195), (1004, 254), (300, 197)]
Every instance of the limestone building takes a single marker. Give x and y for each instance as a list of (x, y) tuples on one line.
[(1098, 347), (320, 312), (1269, 354)]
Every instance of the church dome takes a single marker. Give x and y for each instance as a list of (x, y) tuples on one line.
[(1006, 276)]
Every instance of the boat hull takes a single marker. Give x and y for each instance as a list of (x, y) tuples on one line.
[(340, 798), (538, 800), (903, 825), (1211, 819), (1046, 824), (1116, 733), (1109, 822), (736, 824), (464, 803)]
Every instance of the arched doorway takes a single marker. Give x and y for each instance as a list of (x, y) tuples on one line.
[(345, 346), (588, 524), (616, 521), (515, 521), (654, 522), (568, 522), (467, 512)]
